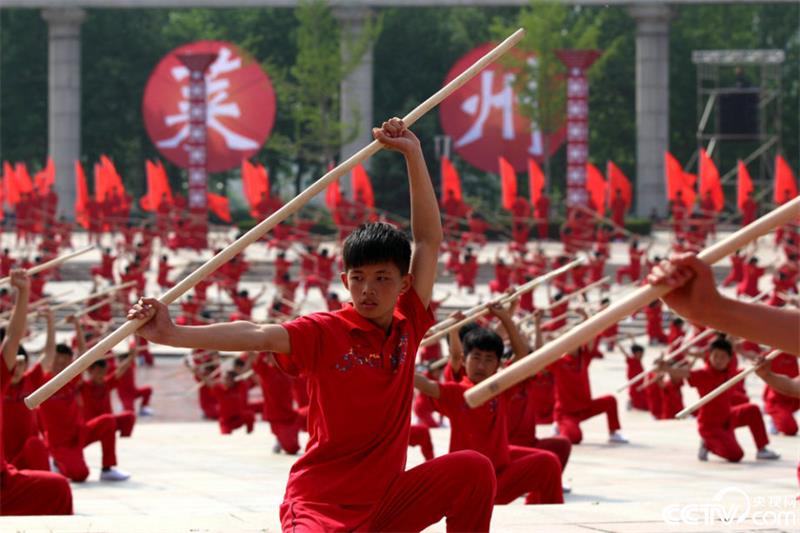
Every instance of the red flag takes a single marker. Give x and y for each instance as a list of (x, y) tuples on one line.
[(785, 184), (255, 182), (23, 179), (618, 180), (596, 186), (333, 195), (450, 180), (508, 183), (709, 181), (157, 186), (81, 197), (220, 206), (362, 186), (678, 180), (744, 184), (535, 181), (113, 181), (10, 191), (100, 183), (45, 178)]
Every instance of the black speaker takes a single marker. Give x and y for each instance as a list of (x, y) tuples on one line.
[(739, 113)]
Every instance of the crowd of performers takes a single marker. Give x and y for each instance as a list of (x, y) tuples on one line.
[(43, 448)]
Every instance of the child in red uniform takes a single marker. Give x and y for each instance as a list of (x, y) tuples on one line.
[(749, 283), (360, 367), (233, 411), (285, 421), (779, 407), (128, 391), (637, 399), (737, 269), (467, 272), (163, 273), (25, 492), (520, 471), (634, 268), (23, 445), (96, 395), (718, 419)]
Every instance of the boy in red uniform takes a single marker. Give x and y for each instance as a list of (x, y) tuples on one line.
[(96, 395), (718, 419), (520, 471), (233, 411), (285, 421), (779, 407), (634, 268), (128, 391), (749, 283), (737, 269), (360, 367), (637, 398), (25, 492)]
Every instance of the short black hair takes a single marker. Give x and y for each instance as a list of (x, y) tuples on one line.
[(636, 348), (483, 339), (100, 363), (63, 349), (466, 328), (678, 321), (377, 242), (724, 345)]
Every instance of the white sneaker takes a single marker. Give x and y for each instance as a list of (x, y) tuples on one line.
[(702, 453), (555, 429), (53, 465), (145, 410), (276, 448), (617, 438), (772, 429), (766, 453), (114, 474), (566, 489)]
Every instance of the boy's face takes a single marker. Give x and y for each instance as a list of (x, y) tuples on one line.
[(61, 361), (97, 373), (480, 364), (374, 289), (719, 359), (638, 354)]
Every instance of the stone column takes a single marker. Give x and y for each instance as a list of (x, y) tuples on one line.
[(356, 90), (64, 100), (652, 105)]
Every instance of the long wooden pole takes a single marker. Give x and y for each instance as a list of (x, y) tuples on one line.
[(51, 264), (583, 333), (573, 294), (129, 327), (94, 295), (725, 386), (483, 309)]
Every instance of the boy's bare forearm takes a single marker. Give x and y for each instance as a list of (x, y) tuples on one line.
[(229, 337), (16, 328), (426, 225), (763, 324), (426, 386)]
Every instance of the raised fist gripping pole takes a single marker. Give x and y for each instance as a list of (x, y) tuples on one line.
[(130, 327), (584, 332)]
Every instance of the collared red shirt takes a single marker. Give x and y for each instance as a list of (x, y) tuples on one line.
[(360, 384)]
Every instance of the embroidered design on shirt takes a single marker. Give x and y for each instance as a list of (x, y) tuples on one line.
[(350, 359), (399, 353)]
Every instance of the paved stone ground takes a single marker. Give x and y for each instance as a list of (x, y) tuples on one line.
[(188, 477)]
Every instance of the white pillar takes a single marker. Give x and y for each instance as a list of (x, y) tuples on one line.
[(355, 101), (652, 105), (64, 100)]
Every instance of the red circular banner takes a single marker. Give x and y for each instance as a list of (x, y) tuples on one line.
[(240, 109), (484, 121)]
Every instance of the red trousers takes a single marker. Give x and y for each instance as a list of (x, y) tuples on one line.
[(561, 446), (421, 436), (721, 440), (32, 456), (783, 417), (125, 421), (128, 398), (536, 473), (459, 486), (638, 397), (228, 424), (423, 408), (33, 492), (569, 423), (69, 457), (286, 432)]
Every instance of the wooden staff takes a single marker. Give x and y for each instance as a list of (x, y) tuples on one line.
[(624, 307), (573, 294), (50, 264), (725, 386), (694, 339), (81, 363), (87, 310), (33, 307), (483, 309), (94, 295)]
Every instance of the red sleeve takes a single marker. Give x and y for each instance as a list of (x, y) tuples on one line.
[(35, 375), (111, 380), (451, 398), (305, 339), (697, 378), (5, 379), (411, 307)]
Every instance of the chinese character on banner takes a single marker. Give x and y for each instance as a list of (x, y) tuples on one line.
[(484, 121), (577, 62), (239, 111)]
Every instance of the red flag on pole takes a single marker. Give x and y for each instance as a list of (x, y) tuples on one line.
[(157, 186), (100, 183), (255, 182), (450, 180), (362, 187), (535, 181), (220, 206), (709, 181), (678, 180), (596, 186), (785, 184), (81, 197), (333, 194), (508, 183), (24, 181), (744, 184), (10, 191), (45, 178), (113, 181), (618, 180)]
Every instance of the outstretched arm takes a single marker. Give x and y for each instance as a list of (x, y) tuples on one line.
[(695, 297), (426, 386), (783, 384), (19, 317), (240, 336)]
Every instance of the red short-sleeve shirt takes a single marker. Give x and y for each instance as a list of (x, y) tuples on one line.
[(717, 411), (360, 383)]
